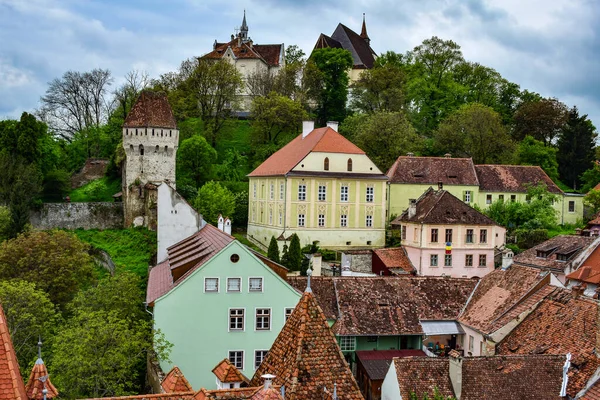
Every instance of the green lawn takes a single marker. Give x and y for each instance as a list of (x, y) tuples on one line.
[(130, 249), (97, 190)]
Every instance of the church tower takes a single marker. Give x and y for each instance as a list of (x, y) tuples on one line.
[(244, 29), (150, 141)]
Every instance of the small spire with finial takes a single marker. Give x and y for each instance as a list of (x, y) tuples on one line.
[(363, 32), (335, 391), (39, 345), (308, 275)]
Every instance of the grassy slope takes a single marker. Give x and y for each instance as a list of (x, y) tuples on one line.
[(97, 190), (130, 249), (235, 135)]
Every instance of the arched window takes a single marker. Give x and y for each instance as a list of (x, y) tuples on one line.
[(141, 149), (131, 148), (349, 164), (136, 132), (166, 150), (161, 133), (156, 149), (326, 164)]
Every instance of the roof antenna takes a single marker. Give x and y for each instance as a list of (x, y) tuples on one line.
[(308, 275), (44, 378), (335, 391), (39, 349)]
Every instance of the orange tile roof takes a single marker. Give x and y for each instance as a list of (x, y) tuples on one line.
[(151, 109), (35, 386), (158, 396), (395, 257), (269, 53), (587, 274), (593, 393), (11, 383), (306, 359), (247, 393), (175, 382), (226, 372), (324, 140)]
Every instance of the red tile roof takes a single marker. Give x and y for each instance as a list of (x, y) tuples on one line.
[(587, 274), (562, 323), (323, 289), (377, 362), (395, 258), (483, 378), (183, 259), (496, 293), (324, 140), (432, 170), (305, 357), (226, 372), (593, 393), (513, 178), (175, 382), (249, 393), (11, 383), (35, 386), (158, 396), (269, 53), (441, 207), (151, 109)]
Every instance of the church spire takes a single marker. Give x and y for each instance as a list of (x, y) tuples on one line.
[(363, 32), (244, 28)]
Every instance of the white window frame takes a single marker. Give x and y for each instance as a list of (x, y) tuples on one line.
[(321, 220), (270, 217), (301, 220), (234, 291), (472, 236), (234, 363), (322, 193), (254, 190), (280, 218), (287, 312), (281, 190), (269, 319), (344, 193), (467, 196), (272, 191), (302, 192), (433, 257), (370, 195), (348, 343), (264, 354), (447, 257), (467, 258), (229, 328), (218, 284), (483, 235), (484, 259), (344, 220), (262, 284), (369, 221), (571, 202)]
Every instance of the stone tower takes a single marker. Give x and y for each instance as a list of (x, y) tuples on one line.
[(150, 140)]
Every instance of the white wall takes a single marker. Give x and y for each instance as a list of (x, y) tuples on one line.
[(177, 220), (389, 388)]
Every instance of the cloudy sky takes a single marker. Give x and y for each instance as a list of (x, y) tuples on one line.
[(548, 46)]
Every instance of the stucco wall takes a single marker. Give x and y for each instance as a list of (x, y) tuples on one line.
[(78, 215)]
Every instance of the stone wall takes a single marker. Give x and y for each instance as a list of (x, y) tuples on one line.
[(359, 260), (78, 215)]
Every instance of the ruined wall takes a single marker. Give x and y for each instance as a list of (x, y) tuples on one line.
[(78, 215), (359, 260)]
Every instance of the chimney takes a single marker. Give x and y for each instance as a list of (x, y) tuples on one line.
[(409, 154), (333, 125), (412, 208), (578, 290), (447, 155), (440, 185), (227, 228), (215, 44), (507, 259), (268, 380), (455, 372), (316, 264), (346, 271), (307, 127), (220, 222)]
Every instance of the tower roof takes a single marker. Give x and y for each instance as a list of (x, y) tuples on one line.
[(305, 357), (244, 26), (226, 372), (175, 382), (363, 32), (11, 383), (152, 109)]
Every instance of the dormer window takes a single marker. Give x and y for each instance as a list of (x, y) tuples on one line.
[(326, 164), (541, 254)]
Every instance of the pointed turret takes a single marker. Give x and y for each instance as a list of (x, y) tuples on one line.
[(175, 382), (363, 32), (39, 386), (244, 28)]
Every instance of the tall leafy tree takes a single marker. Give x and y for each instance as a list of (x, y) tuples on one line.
[(475, 131), (382, 88), (541, 118), (273, 251), (576, 148), (533, 152), (214, 199), (294, 254), (592, 200), (334, 65), (273, 116), (195, 159)]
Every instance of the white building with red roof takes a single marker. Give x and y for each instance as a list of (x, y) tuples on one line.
[(323, 188)]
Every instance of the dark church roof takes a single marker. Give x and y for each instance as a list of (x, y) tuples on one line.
[(344, 37)]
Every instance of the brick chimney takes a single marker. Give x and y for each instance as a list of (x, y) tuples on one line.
[(307, 127), (412, 208), (447, 155)]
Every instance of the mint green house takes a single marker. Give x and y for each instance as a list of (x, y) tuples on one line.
[(213, 298)]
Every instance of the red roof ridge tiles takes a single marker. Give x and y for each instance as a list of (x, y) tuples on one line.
[(285, 159), (175, 382), (35, 386), (226, 372), (395, 258), (11, 383), (306, 359), (151, 109), (433, 170), (512, 178)]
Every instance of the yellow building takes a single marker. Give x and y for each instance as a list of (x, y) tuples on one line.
[(321, 187), (479, 185)]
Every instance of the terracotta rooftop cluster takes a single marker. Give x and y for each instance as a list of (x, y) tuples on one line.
[(151, 109), (268, 53)]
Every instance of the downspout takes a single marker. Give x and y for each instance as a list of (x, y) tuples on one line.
[(284, 208), (421, 251)]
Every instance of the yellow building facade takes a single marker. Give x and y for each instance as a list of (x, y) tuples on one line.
[(321, 187)]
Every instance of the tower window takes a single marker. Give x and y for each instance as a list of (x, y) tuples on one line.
[(156, 149), (141, 150), (161, 133), (166, 149), (136, 132), (152, 131), (170, 134), (349, 164), (131, 148), (326, 164)]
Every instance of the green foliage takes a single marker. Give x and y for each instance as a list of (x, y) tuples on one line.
[(285, 255), (475, 131), (5, 223), (97, 190), (29, 315), (592, 200), (195, 159), (591, 177), (576, 148), (528, 238), (533, 152), (541, 118), (294, 254), (383, 136), (232, 168), (293, 54), (275, 115), (273, 251), (190, 127), (57, 184), (334, 65), (214, 199), (382, 88), (55, 261), (130, 249)]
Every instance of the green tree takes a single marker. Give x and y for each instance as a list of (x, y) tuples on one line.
[(591, 177), (334, 65), (273, 251), (576, 148), (293, 54), (383, 136), (29, 315), (592, 200), (233, 167), (382, 88), (55, 261), (475, 131), (542, 118), (195, 159), (240, 216), (273, 116), (294, 254), (285, 255), (5, 223), (533, 152), (214, 199), (57, 184)]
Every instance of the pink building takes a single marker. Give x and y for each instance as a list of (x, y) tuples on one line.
[(444, 236)]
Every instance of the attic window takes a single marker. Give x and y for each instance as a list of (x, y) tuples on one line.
[(418, 175), (541, 254), (563, 257), (452, 176)]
